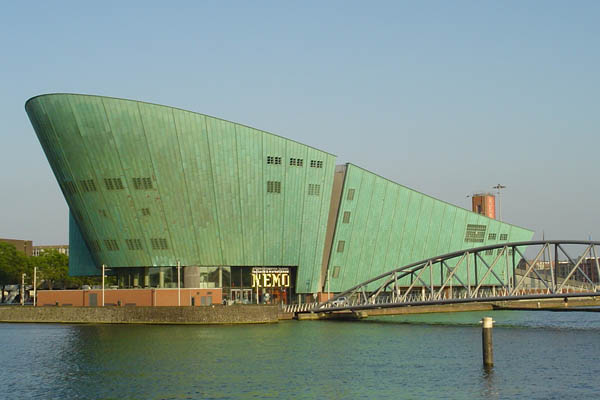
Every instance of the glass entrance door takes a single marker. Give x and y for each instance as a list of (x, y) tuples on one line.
[(243, 296)]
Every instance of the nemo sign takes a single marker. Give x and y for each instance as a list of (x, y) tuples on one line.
[(265, 277)]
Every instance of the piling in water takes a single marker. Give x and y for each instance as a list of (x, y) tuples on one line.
[(486, 337)]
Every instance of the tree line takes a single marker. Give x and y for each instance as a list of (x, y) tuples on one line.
[(52, 269)]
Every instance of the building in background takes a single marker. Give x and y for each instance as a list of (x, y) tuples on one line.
[(151, 187), (24, 246), (61, 248), (484, 204)]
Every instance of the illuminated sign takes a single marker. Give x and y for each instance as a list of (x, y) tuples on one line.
[(270, 277)]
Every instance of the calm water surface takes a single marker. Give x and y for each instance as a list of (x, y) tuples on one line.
[(538, 355)]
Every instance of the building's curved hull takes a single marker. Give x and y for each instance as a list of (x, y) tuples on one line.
[(150, 185)]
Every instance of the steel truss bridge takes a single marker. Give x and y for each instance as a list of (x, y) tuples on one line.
[(483, 274)]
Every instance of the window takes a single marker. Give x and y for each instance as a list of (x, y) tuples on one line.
[(95, 245), (475, 233), (350, 196), (336, 272), (145, 212), (113, 184), (88, 185), (504, 236), (159, 244), (313, 189), (489, 252), (492, 236), (111, 244), (297, 162), (316, 164), (346, 218), (69, 187), (273, 187), (103, 212), (341, 245), (142, 183), (134, 244), (273, 160)]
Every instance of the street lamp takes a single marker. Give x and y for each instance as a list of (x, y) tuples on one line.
[(498, 187), (103, 271), (22, 289)]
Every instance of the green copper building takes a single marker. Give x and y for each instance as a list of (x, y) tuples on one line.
[(150, 186)]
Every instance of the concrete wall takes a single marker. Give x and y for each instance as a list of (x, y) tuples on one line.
[(237, 314), (137, 297)]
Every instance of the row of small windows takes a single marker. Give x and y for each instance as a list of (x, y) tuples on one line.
[(296, 162), (503, 236), (132, 244), (274, 160), (111, 245), (142, 183), (113, 184), (159, 244), (313, 189), (475, 233), (275, 187), (88, 185), (104, 213)]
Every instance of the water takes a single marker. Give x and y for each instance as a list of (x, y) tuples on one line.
[(538, 355)]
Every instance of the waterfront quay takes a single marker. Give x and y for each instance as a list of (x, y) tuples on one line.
[(256, 314)]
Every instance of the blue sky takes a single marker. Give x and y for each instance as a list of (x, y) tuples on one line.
[(444, 97)]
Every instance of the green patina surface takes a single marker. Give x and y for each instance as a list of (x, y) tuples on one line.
[(208, 202), (149, 185), (391, 226)]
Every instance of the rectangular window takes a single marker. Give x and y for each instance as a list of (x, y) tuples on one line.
[(113, 184), (492, 236), (313, 189), (103, 212), (145, 212), (341, 245), (142, 183), (297, 162), (273, 187), (350, 194), (346, 218), (159, 244), (336, 271), (70, 187), (111, 244), (504, 236), (475, 233), (489, 252), (95, 246), (316, 164), (88, 185), (276, 160), (134, 244)]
